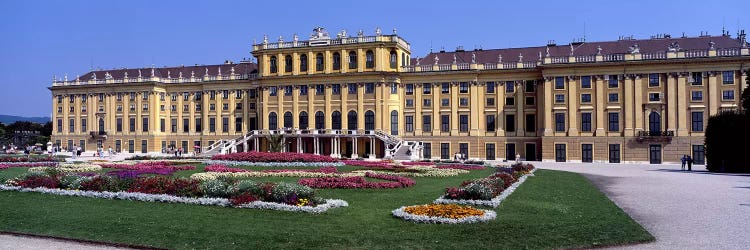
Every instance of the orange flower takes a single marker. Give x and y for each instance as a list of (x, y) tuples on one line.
[(451, 211)]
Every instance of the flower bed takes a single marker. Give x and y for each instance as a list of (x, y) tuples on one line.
[(358, 182), (26, 164), (274, 164), (417, 163), (369, 164), (490, 191), (68, 168), (443, 213), (224, 172), (461, 166), (148, 166), (7, 159), (419, 171), (273, 157), (224, 169)]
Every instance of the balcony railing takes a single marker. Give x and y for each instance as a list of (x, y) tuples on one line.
[(654, 136), (653, 133), (98, 134)]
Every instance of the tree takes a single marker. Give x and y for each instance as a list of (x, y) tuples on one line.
[(275, 142), (746, 95)]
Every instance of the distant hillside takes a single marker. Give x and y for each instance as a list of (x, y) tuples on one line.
[(8, 119)]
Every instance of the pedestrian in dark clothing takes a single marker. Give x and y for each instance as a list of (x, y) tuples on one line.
[(683, 160), (690, 163)]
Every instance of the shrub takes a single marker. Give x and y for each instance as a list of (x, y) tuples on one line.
[(721, 154), (105, 183), (522, 167), (216, 188), (72, 181), (165, 185)]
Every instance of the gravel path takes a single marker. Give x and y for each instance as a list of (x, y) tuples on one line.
[(683, 210)]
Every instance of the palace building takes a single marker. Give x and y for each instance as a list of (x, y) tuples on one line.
[(629, 100)]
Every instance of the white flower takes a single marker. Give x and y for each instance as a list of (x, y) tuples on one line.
[(400, 213)]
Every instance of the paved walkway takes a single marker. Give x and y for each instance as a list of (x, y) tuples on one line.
[(16, 242), (683, 210)]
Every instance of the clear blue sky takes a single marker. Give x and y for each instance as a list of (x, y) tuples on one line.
[(45, 38)]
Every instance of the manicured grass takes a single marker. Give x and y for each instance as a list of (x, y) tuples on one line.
[(551, 210)]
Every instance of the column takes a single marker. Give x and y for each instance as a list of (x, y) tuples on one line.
[(601, 96), (372, 148), (476, 107), (327, 106), (280, 106), (500, 102), (316, 146), (714, 94), (628, 98), (639, 93), (354, 148), (454, 108), (682, 107), (344, 101), (572, 105), (548, 103), (436, 91), (418, 109), (295, 105), (672, 100), (206, 110), (299, 144), (360, 106), (520, 102)]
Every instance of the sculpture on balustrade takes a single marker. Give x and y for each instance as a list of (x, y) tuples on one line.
[(377, 31), (93, 76), (281, 39), (598, 50), (265, 39), (571, 49), (634, 49), (319, 33), (499, 58), (152, 71), (139, 73), (454, 58), (206, 72), (711, 45), (547, 54), (219, 71), (126, 75), (192, 74), (394, 31), (473, 57), (295, 38), (520, 57), (169, 74), (107, 76), (436, 59), (66, 77), (360, 33), (232, 70), (673, 47)]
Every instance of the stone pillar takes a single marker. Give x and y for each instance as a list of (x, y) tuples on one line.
[(454, 108), (354, 148), (682, 107), (573, 106), (601, 98), (372, 148), (672, 100), (316, 146), (299, 144), (520, 102), (639, 113), (627, 99), (548, 103)]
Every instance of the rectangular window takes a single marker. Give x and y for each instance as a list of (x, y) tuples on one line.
[(238, 105), (212, 124), (303, 90), (336, 89), (586, 82), (319, 89), (83, 98), (490, 102), (654, 97), (173, 125), (614, 153), (697, 121), (144, 146), (614, 81), (560, 154), (653, 80), (530, 101), (559, 82), (510, 123), (427, 88), (445, 123), (144, 124), (394, 88), (585, 122), (696, 78), (119, 124), (198, 107), (559, 122), (559, 98), (272, 91), (132, 96), (727, 95), (59, 99), (370, 88), (410, 102), (463, 123), (614, 97), (225, 106), (463, 87), (83, 125), (445, 88), (185, 125), (145, 107), (697, 96), (510, 101), (427, 102), (427, 150), (587, 152), (352, 88), (445, 151), (163, 125), (287, 90), (463, 101), (426, 123), (490, 119), (238, 124), (238, 94), (510, 87), (614, 122), (198, 125), (529, 87), (409, 89), (530, 123), (585, 98), (409, 123), (727, 77), (490, 87), (225, 94), (445, 102), (132, 124), (198, 95), (463, 148), (185, 96), (225, 124), (510, 151)]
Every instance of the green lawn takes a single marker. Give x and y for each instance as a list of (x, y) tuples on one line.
[(551, 210)]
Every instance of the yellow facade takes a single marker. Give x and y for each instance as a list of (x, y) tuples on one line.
[(650, 103)]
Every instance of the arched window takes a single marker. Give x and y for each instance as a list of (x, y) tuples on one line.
[(288, 63), (352, 60), (369, 59), (320, 120), (274, 65), (403, 58), (303, 63), (336, 120), (319, 63), (393, 59), (288, 119), (101, 124), (351, 120), (369, 120), (654, 122), (303, 120), (272, 121), (336, 61), (394, 122)]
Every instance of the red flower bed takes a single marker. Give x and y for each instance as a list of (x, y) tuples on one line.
[(369, 164), (358, 182), (39, 181), (224, 169), (461, 166), (164, 185), (242, 199), (27, 159), (149, 166), (28, 165), (273, 157), (417, 163)]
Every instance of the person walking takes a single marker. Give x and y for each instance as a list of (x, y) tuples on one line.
[(109, 150), (683, 160), (690, 163), (518, 157)]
